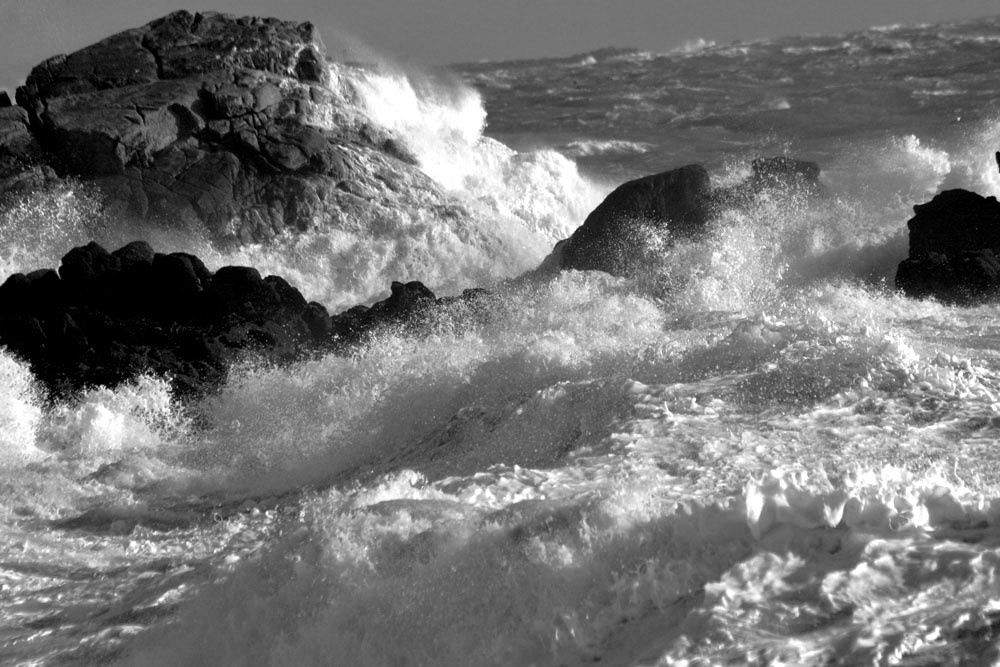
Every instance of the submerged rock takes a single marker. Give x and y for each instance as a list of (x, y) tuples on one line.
[(105, 317), (954, 249), (640, 215), (198, 120)]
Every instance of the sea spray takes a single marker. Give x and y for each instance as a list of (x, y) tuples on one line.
[(754, 452)]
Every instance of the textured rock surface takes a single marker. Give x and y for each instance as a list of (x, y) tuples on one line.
[(640, 214), (954, 249), (199, 120)]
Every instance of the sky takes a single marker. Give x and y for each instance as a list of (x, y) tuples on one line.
[(443, 31)]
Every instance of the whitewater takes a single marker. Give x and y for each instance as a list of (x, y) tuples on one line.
[(754, 451)]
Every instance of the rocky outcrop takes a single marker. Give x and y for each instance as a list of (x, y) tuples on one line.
[(105, 317), (198, 120), (617, 235), (954, 249)]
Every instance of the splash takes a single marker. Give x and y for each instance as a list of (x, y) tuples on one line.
[(20, 414), (442, 121), (38, 228)]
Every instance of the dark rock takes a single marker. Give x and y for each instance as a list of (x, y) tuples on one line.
[(241, 290), (44, 287), (13, 292), (134, 257), (405, 305), (675, 202), (404, 298), (954, 249), (954, 221), (641, 216), (176, 277), (85, 264), (107, 317), (112, 316), (5, 99), (289, 298), (317, 320)]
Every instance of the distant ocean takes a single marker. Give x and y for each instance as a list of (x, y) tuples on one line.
[(755, 453)]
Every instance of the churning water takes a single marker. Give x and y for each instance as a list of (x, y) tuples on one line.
[(753, 452)]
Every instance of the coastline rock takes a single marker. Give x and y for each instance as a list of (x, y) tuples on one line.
[(106, 317), (205, 121), (676, 201), (22, 161), (954, 249), (616, 236)]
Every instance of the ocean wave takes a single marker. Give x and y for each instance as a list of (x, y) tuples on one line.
[(591, 147), (695, 45), (753, 451)]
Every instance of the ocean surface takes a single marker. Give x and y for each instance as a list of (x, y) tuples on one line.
[(754, 452)]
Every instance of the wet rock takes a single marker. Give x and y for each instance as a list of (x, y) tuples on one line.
[(638, 218), (404, 306), (81, 266), (106, 317), (954, 249), (676, 202), (135, 257)]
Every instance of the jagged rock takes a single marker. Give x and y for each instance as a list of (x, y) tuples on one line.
[(673, 204), (954, 249), (200, 121)]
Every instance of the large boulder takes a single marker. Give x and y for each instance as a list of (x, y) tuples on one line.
[(675, 202), (198, 120), (954, 249), (643, 215)]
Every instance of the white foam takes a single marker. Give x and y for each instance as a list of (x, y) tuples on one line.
[(135, 415), (442, 122), (36, 229), (20, 413), (591, 147)]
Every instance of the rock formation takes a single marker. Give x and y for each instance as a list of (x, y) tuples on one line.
[(670, 205), (105, 317), (954, 249), (200, 120)]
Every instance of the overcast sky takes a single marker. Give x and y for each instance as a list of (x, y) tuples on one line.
[(442, 31)]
